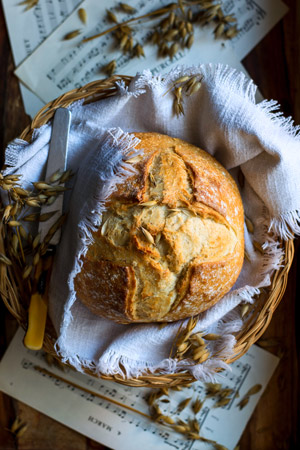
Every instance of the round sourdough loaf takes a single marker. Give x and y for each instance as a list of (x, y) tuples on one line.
[(171, 241)]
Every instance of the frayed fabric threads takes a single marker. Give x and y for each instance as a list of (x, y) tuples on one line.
[(222, 118), (108, 167), (286, 225)]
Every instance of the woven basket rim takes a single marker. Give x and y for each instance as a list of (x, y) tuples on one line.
[(253, 328)]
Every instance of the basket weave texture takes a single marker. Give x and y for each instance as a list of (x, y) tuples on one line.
[(258, 316)]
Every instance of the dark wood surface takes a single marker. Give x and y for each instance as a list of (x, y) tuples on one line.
[(275, 67)]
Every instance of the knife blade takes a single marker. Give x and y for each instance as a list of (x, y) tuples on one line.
[(56, 162)]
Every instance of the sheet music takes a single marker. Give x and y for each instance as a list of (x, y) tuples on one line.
[(254, 18), (27, 29), (64, 65), (108, 419)]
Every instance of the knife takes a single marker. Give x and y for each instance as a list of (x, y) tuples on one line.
[(57, 161)]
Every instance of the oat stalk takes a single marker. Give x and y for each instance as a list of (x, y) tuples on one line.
[(23, 251), (134, 19), (173, 32)]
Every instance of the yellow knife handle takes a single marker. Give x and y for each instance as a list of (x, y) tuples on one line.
[(37, 312), (37, 315)]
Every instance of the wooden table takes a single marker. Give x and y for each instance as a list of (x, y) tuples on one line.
[(275, 67)]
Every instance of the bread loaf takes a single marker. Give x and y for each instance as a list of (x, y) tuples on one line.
[(171, 240)]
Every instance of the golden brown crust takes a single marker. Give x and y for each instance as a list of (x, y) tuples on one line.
[(175, 256), (115, 283), (207, 283)]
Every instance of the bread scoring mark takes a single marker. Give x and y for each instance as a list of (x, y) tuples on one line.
[(209, 186), (163, 198), (206, 283)]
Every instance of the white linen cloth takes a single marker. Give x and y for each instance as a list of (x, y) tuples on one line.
[(221, 118)]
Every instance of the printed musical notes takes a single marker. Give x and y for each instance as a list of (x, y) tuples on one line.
[(28, 30), (48, 79), (254, 18), (90, 404), (69, 64)]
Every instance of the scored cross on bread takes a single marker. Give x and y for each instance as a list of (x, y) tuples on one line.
[(171, 241)]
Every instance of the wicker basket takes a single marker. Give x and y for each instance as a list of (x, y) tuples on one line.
[(261, 312)]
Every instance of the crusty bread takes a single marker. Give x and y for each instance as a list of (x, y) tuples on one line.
[(171, 242)]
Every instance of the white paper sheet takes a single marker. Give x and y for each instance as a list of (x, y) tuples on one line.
[(108, 419), (255, 20), (27, 29), (64, 65)]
